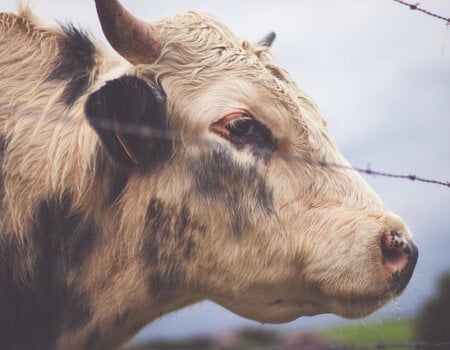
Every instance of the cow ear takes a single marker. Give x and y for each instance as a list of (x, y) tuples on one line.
[(129, 116), (267, 40)]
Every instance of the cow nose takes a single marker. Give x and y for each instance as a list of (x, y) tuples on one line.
[(399, 257)]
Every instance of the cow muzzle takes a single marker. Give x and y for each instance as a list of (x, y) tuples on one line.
[(376, 266)]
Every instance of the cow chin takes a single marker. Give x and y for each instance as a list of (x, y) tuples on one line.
[(277, 312), (282, 311), (266, 309), (359, 308)]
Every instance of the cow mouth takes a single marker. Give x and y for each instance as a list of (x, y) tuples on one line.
[(357, 306)]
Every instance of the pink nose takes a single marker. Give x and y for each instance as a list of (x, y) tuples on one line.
[(399, 257)]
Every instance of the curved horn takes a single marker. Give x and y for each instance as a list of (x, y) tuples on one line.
[(267, 40), (135, 40)]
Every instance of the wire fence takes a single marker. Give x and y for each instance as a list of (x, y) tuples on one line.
[(415, 7), (203, 141)]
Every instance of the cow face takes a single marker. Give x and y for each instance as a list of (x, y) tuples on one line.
[(234, 197)]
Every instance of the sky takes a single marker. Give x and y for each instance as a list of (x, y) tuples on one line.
[(380, 74)]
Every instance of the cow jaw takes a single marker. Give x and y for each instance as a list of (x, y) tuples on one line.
[(299, 259), (271, 305)]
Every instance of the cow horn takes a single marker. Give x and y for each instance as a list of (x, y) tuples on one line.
[(267, 40), (135, 40)]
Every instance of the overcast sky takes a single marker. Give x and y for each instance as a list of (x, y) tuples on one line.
[(380, 74)]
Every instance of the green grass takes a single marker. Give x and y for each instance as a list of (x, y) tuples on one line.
[(387, 332)]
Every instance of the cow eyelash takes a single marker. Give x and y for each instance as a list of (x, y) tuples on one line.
[(241, 126)]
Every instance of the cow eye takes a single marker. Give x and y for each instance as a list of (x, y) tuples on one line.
[(242, 126), (245, 132)]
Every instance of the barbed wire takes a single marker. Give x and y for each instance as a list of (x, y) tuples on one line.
[(202, 141), (368, 171), (415, 7)]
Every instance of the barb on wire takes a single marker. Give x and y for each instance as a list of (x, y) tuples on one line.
[(417, 8), (368, 171), (203, 141)]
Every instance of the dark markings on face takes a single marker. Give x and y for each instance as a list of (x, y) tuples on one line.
[(110, 177), (74, 64), (164, 281), (190, 249), (170, 241), (182, 222), (247, 132), (218, 177), (93, 339), (37, 305)]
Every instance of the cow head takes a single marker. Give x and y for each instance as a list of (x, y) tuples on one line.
[(226, 160)]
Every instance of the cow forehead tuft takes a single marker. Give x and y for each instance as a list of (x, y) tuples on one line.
[(199, 46)]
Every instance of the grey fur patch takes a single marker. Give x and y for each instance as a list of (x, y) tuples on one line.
[(68, 236), (164, 281), (36, 307), (169, 243), (218, 177), (75, 63)]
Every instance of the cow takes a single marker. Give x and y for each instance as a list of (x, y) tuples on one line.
[(181, 165)]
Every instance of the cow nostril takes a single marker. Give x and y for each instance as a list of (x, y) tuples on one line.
[(394, 259), (399, 258), (395, 251)]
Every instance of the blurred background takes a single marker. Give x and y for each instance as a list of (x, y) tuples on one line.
[(380, 74)]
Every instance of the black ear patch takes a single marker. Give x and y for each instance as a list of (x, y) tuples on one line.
[(129, 115)]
